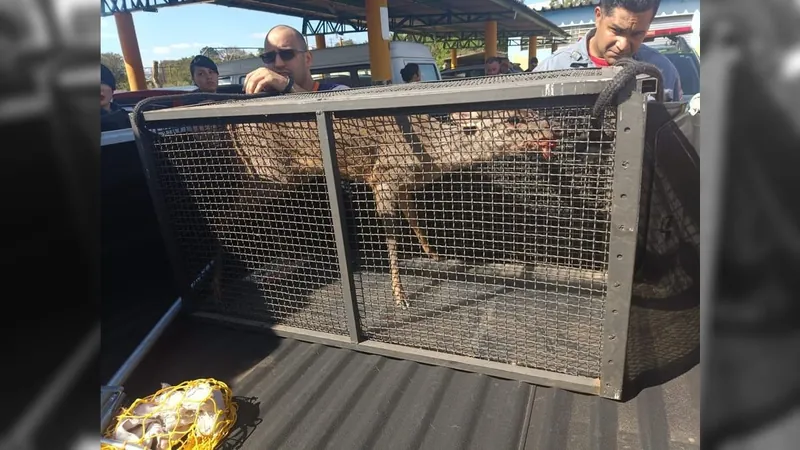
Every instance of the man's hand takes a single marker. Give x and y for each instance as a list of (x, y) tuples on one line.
[(263, 79)]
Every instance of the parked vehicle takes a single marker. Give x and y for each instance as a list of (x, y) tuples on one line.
[(472, 70), (672, 44), (347, 65)]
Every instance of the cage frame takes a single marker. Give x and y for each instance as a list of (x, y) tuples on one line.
[(624, 217)]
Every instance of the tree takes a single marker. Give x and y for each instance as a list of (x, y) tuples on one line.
[(116, 64), (211, 53), (344, 42), (438, 49), (565, 3), (223, 54), (176, 72)]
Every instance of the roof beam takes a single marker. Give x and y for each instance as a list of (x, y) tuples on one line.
[(410, 22), (474, 39), (313, 27), (526, 12), (110, 7)]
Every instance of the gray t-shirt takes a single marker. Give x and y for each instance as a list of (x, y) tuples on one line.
[(577, 56)]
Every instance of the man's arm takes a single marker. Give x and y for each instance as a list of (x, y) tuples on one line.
[(545, 65)]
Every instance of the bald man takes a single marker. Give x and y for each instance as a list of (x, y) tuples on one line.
[(287, 65)]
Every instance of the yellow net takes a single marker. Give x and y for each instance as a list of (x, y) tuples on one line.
[(194, 415)]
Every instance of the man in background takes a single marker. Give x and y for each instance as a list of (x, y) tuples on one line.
[(532, 63), (620, 29), (287, 65), (112, 117), (205, 74), (492, 66)]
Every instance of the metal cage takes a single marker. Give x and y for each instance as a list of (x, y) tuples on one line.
[(488, 225)]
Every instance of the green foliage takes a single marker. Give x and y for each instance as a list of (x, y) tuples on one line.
[(438, 50), (565, 3), (116, 64), (175, 72), (220, 55)]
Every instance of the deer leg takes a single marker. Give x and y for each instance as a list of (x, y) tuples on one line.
[(404, 203), (384, 202)]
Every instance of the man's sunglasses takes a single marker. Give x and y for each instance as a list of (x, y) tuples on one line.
[(286, 55)]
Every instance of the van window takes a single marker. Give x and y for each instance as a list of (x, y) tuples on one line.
[(338, 77), (365, 77), (427, 72)]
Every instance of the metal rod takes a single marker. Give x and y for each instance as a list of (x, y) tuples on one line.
[(147, 343), (53, 394), (627, 184), (339, 216), (109, 410), (145, 147), (526, 87)]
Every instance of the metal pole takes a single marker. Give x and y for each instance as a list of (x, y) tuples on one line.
[(339, 215), (147, 343), (130, 51)]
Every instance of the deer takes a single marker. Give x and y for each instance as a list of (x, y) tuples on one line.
[(393, 155)]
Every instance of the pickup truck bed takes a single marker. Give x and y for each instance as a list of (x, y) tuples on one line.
[(297, 395)]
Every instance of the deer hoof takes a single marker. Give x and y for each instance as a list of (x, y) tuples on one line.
[(401, 302)]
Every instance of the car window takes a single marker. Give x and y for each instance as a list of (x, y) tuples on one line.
[(364, 77), (337, 76), (427, 72), (687, 70)]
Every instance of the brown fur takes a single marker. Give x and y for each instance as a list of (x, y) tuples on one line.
[(392, 154)]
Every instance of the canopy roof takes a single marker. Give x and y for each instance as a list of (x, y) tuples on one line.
[(445, 20)]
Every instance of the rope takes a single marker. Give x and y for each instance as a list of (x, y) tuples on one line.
[(630, 70), (194, 415)]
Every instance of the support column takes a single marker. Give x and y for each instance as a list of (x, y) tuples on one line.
[(320, 40), (532, 44), (490, 39), (379, 61), (553, 47), (453, 58), (130, 51), (156, 75)]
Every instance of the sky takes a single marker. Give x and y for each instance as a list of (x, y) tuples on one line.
[(179, 31)]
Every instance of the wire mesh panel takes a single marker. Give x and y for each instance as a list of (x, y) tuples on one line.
[(497, 239), (489, 219), (266, 245)]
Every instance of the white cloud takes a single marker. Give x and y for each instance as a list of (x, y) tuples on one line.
[(259, 35), (537, 6)]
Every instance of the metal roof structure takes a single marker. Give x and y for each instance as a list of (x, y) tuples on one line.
[(455, 23)]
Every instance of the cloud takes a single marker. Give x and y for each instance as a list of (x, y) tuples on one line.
[(259, 35)]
